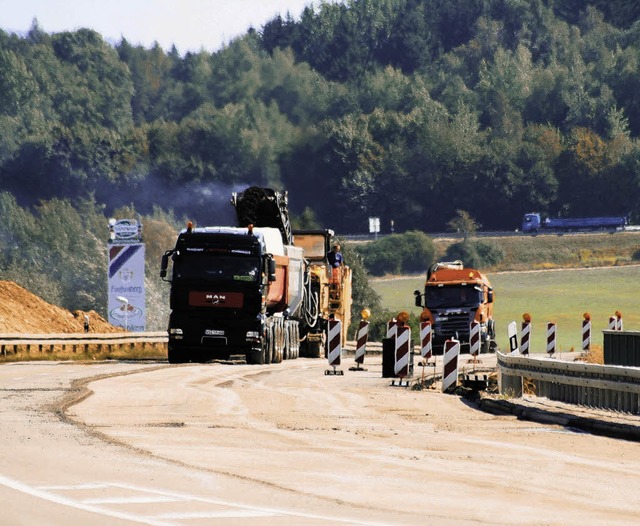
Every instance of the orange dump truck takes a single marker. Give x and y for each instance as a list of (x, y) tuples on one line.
[(453, 297)]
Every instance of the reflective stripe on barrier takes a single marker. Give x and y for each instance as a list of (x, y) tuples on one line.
[(525, 337), (335, 342), (474, 338), (551, 337), (361, 337), (403, 337), (426, 344), (450, 365), (392, 327), (586, 335)]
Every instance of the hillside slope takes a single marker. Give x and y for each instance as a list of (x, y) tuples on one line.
[(24, 312)]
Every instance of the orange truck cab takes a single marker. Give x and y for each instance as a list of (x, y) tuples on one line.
[(453, 297)]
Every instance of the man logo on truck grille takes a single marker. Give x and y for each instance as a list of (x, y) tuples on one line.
[(215, 299)]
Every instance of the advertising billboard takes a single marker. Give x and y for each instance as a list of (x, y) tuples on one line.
[(126, 293)]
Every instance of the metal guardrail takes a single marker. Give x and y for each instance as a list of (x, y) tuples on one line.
[(372, 347), (20, 342), (50, 342), (602, 386)]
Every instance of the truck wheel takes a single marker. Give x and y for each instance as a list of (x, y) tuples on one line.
[(296, 340), (279, 343), (268, 345), (255, 357), (317, 348), (287, 341), (176, 357)]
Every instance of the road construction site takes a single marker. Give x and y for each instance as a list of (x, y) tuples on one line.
[(123, 443)]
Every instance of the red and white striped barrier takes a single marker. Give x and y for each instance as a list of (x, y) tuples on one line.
[(334, 339), (525, 334), (403, 337), (525, 337), (551, 338), (613, 322), (426, 342), (474, 339), (619, 325), (361, 341), (586, 332), (392, 327), (450, 365)]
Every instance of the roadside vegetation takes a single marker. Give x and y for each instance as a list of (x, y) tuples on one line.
[(402, 109)]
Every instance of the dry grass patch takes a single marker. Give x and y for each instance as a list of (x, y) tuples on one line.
[(595, 355)]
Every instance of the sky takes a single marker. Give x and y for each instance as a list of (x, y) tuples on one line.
[(192, 25)]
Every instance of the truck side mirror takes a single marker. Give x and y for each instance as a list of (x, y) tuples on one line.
[(490, 296), (271, 263), (418, 299), (164, 264)]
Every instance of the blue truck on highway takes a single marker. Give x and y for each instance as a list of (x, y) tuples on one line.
[(533, 223)]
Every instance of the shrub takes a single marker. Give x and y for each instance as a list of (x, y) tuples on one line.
[(406, 253), (475, 253)]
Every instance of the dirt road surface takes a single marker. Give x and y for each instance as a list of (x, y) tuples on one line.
[(118, 443)]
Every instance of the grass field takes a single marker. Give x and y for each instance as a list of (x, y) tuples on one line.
[(560, 296)]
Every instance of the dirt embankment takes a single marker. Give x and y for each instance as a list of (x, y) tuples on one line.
[(24, 312)]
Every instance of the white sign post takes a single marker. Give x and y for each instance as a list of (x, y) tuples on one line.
[(374, 226)]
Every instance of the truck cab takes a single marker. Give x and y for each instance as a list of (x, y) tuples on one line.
[(453, 297), (223, 283), (531, 222)]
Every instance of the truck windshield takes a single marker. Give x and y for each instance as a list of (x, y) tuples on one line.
[(216, 268), (453, 296)]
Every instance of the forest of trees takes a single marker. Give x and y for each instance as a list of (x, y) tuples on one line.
[(408, 110)]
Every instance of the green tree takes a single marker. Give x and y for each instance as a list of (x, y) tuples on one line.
[(463, 224)]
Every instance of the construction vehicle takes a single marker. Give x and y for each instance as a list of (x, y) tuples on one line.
[(453, 297), (329, 288), (248, 290), (533, 223)]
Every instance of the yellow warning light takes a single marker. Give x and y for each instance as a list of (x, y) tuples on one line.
[(365, 314), (618, 314), (403, 317), (471, 274), (587, 316), (526, 317)]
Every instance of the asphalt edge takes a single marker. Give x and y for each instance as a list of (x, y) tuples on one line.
[(572, 422)]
